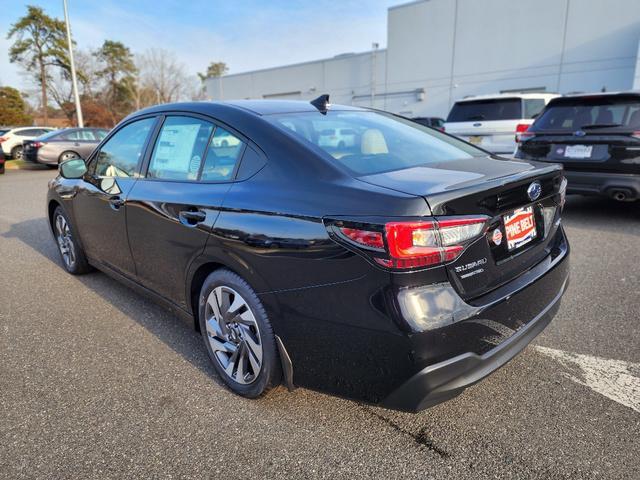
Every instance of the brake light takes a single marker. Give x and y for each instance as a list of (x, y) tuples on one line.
[(522, 133), (3, 139), (417, 244), (634, 134), (37, 144)]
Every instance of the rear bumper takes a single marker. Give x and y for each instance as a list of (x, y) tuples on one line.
[(448, 378), (602, 183)]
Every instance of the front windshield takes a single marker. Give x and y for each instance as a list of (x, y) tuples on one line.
[(368, 142)]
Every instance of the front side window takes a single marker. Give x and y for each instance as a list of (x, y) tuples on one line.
[(486, 110), (380, 142), (122, 153), (180, 148)]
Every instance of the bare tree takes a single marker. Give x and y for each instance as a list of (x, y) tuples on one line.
[(161, 71)]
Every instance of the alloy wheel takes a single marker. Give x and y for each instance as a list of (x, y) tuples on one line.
[(233, 334), (65, 242), (68, 156)]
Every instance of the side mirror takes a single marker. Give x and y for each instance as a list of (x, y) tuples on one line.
[(74, 168)]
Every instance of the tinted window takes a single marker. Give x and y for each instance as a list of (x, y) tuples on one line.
[(50, 135), (486, 110), (180, 148), (80, 135), (222, 156), (382, 142), (120, 156), (569, 115), (31, 132), (533, 107)]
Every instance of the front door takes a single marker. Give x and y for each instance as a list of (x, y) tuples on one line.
[(100, 202), (172, 209)]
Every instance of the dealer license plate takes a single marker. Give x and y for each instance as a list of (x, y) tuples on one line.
[(520, 226)]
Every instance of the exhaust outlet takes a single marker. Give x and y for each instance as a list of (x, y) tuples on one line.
[(622, 195)]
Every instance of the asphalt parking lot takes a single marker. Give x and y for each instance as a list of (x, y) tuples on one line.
[(97, 381)]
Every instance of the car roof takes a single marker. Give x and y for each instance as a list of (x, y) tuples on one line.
[(622, 93), (28, 128), (258, 107), (497, 96)]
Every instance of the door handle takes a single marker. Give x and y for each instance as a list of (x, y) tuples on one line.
[(116, 202), (192, 217)]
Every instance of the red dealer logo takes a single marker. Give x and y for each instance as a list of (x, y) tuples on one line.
[(520, 227)]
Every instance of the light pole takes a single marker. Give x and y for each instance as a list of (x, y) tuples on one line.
[(74, 81)]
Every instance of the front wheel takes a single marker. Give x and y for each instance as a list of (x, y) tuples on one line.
[(237, 334), (71, 253)]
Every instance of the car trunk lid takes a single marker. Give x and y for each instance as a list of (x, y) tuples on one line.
[(498, 189)]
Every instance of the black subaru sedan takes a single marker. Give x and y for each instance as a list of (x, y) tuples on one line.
[(397, 269)]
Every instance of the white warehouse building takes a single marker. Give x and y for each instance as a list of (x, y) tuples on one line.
[(442, 50)]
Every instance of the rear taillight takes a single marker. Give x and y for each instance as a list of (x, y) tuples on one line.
[(634, 134), (37, 144), (406, 245), (522, 133), (3, 139)]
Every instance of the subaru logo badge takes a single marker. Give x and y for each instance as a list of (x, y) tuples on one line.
[(534, 191), (580, 133)]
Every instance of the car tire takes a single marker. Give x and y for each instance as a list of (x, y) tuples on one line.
[(237, 343), (71, 252), (68, 155), (16, 152)]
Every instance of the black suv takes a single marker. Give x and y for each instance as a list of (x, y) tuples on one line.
[(597, 139)]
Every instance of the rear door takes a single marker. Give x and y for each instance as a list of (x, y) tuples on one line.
[(172, 209)]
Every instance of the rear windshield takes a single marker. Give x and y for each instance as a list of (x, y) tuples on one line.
[(379, 142), (570, 115), (50, 135), (486, 110)]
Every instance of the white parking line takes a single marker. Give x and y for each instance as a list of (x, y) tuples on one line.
[(615, 379)]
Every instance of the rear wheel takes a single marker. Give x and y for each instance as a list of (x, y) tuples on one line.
[(64, 156), (71, 253), (16, 152), (237, 334)]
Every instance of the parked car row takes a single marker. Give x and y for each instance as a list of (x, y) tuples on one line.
[(47, 145), (11, 139), (596, 137)]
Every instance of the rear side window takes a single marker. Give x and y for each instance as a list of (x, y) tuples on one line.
[(80, 135), (223, 154), (31, 132), (533, 107), (570, 115), (122, 153), (486, 110), (180, 148)]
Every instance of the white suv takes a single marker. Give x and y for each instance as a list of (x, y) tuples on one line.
[(11, 139), (494, 122)]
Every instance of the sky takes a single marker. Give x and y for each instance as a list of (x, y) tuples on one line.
[(245, 34)]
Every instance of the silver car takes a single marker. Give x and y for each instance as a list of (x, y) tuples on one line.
[(56, 147)]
